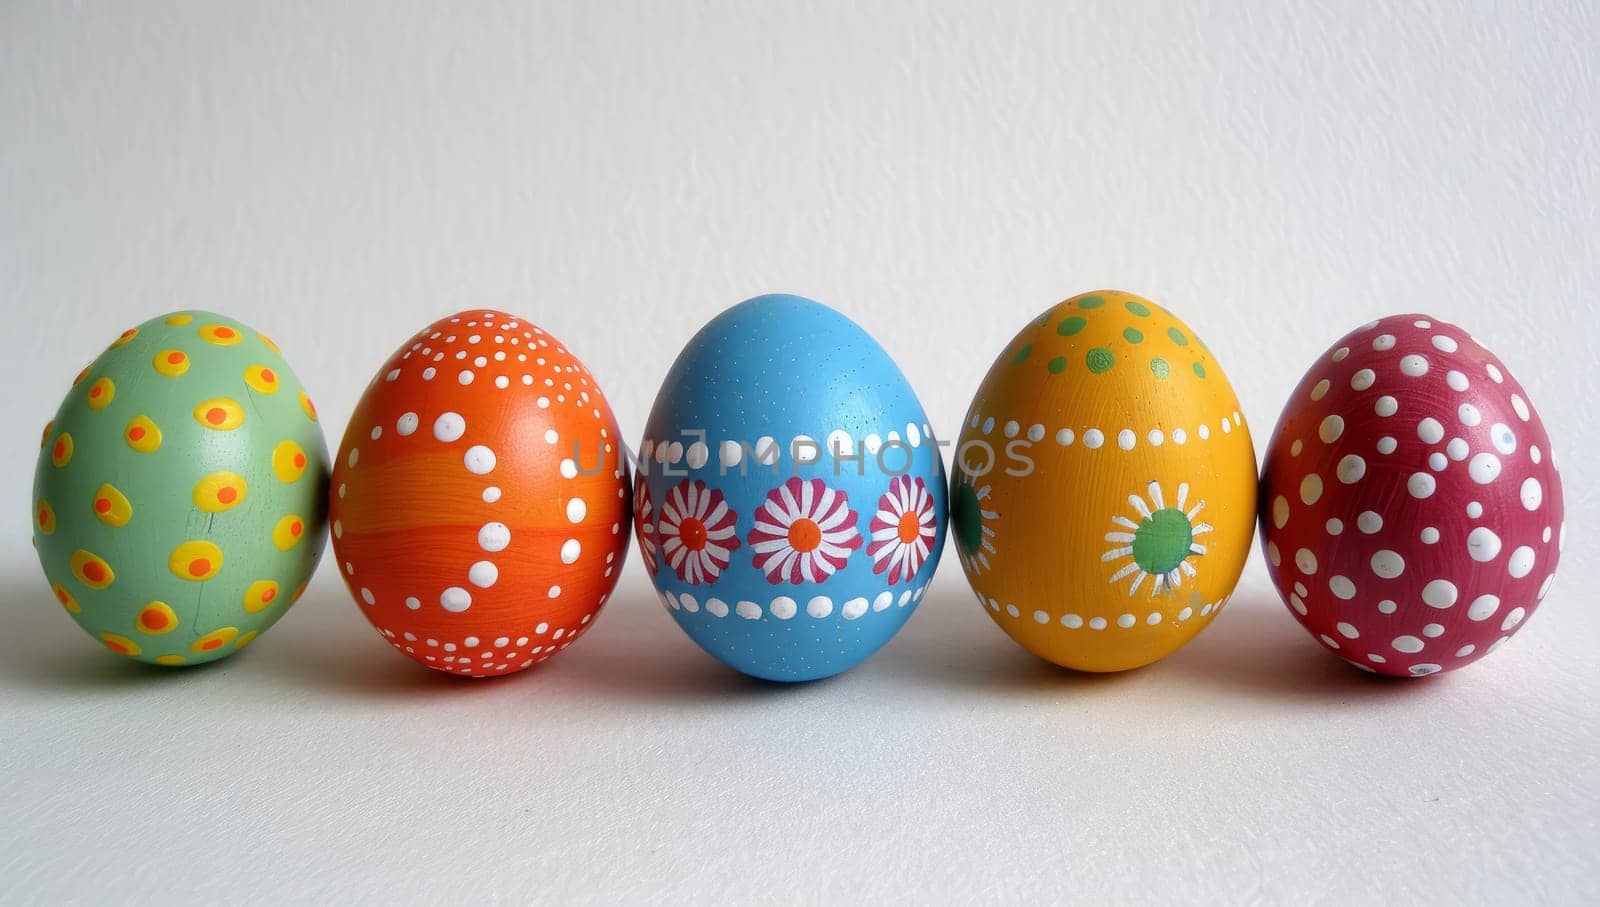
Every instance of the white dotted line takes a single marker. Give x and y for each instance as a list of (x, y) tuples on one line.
[(474, 655), (766, 451), (783, 607), (1095, 438), (1125, 621)]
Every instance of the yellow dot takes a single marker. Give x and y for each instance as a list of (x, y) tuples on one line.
[(214, 640), (288, 461), (244, 640), (120, 644), (220, 491), (260, 596), (298, 591), (155, 619), (171, 363), (112, 506), (221, 334), (220, 413), (91, 569), (124, 338), (65, 598), (288, 532), (179, 320), (308, 406), (44, 436), (195, 561), (142, 434), (82, 375), (61, 453), (171, 660), (45, 516), (101, 393), (261, 379), (270, 345)]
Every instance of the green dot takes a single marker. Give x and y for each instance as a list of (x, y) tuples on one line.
[(1071, 326), (1137, 308), (1133, 335), (1057, 365), (1199, 370), (1160, 367), (1091, 302), (1100, 360), (1022, 354), (1163, 541), (1177, 337)]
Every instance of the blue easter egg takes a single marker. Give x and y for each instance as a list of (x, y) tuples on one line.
[(790, 497)]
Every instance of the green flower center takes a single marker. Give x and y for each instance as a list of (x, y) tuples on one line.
[(1162, 541), (966, 514)]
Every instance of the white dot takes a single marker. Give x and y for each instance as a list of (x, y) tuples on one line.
[(568, 468), (1421, 485), (377, 432), (570, 549), (554, 592), (355, 454), (491, 494), (1534, 454), (819, 607), (1503, 438), (1521, 406), (1125, 439), (1387, 444), (1126, 620), (494, 536), (1348, 630), (479, 460), (1012, 610), (1273, 555), (1386, 406), (914, 434), (1387, 606), (1340, 353), (455, 599), (1466, 650), (1305, 561), (1035, 433), (1369, 522), (1093, 438), (730, 452), (884, 600), (1295, 602), (698, 454), (1204, 431), (1433, 631), (543, 402), (465, 376), (1429, 535), (1329, 641), (1342, 587), (1334, 526), (783, 607), (366, 595), (1351, 468), (748, 610), (1439, 593), (1513, 617), (1280, 511), (413, 602), (1456, 381), (1474, 509), (1520, 563), (1363, 379), (1388, 564), (1383, 342), (1156, 437), (1064, 437), (1179, 436), (1437, 461), (1414, 365), (1330, 429), (1484, 468), (1457, 449), (1494, 373), (1039, 617), (1469, 415), (1430, 430), (1532, 493), (1097, 623), (1444, 344), (483, 574), (1408, 644), (1483, 545), (1320, 390), (1311, 488), (428, 373), (576, 510), (1483, 607), (1071, 621), (449, 427)]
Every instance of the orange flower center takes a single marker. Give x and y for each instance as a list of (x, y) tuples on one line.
[(910, 527), (804, 535), (692, 532)]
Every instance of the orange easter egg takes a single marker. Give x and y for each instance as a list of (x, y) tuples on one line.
[(480, 498), (1104, 496)]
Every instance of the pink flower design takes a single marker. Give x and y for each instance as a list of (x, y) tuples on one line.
[(903, 529), (804, 532), (696, 527), (643, 522)]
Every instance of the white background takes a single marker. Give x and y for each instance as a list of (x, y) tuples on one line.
[(340, 174)]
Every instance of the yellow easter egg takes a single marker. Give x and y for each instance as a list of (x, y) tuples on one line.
[(1104, 494)]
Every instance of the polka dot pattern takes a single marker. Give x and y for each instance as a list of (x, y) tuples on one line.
[(445, 518), (1443, 468)]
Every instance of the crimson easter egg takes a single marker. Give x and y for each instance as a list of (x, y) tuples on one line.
[(479, 504), (1410, 503)]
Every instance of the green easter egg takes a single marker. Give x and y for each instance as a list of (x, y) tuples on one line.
[(180, 499)]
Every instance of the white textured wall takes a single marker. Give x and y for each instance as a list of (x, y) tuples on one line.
[(341, 173)]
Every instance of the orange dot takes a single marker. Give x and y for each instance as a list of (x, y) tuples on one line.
[(805, 535), (216, 415), (136, 433), (296, 528), (226, 333), (174, 357), (299, 461), (60, 450), (116, 646), (153, 619), (210, 644), (910, 527), (94, 392), (102, 505), (94, 572), (81, 375), (199, 567), (267, 375), (227, 494), (269, 594)]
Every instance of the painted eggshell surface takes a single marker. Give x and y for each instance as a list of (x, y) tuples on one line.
[(178, 502), (1104, 497), (1411, 508), (480, 497), (790, 499)]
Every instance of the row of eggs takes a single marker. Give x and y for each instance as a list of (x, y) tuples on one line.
[(789, 497)]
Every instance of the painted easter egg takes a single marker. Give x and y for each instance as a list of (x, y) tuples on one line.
[(480, 497), (789, 498), (1411, 508), (178, 501), (1104, 496)]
